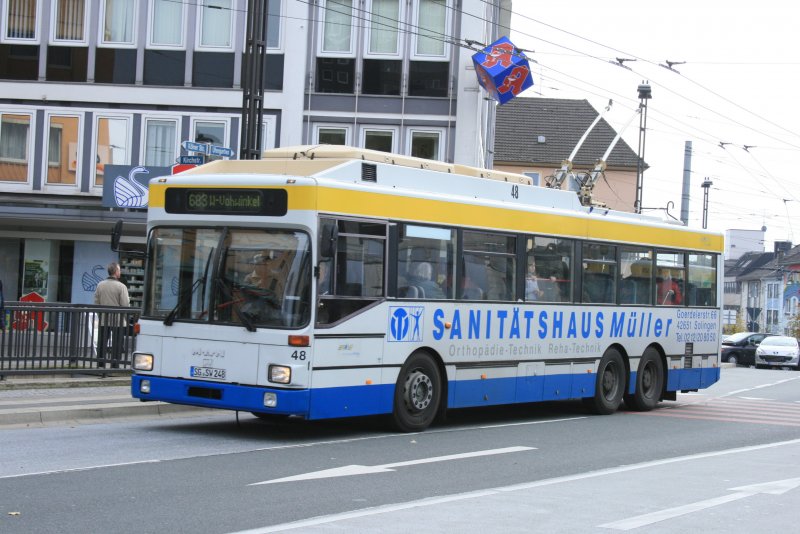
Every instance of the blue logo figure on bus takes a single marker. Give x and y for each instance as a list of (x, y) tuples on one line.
[(405, 323)]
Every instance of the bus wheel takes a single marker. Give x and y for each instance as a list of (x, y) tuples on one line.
[(610, 384), (417, 394), (649, 382)]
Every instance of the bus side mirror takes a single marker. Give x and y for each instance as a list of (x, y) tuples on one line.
[(116, 235), (328, 238)]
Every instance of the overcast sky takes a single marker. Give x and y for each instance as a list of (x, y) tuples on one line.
[(739, 85)]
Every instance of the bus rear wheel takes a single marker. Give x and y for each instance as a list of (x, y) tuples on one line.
[(649, 382), (610, 385), (417, 394)]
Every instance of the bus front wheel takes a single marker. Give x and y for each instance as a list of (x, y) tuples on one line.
[(610, 385), (649, 382), (417, 394)]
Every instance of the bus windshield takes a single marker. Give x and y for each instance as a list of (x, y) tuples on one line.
[(247, 277)]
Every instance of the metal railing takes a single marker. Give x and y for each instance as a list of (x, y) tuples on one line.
[(56, 338)]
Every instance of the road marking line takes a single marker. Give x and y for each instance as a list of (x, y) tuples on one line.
[(350, 470), (334, 518), (775, 487)]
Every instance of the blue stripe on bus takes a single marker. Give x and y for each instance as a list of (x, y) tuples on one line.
[(351, 401)]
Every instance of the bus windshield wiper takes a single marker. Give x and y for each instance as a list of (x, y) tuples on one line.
[(182, 299), (247, 321)]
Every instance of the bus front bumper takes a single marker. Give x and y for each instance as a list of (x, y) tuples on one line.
[(220, 395)]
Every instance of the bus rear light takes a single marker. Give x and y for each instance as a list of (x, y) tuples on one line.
[(280, 374), (298, 341), (270, 400)]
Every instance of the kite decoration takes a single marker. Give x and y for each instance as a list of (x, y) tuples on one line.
[(502, 70)]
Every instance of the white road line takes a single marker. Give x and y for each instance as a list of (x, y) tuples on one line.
[(776, 487), (350, 470), (334, 518)]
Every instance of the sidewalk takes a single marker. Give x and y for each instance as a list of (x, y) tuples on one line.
[(27, 401)]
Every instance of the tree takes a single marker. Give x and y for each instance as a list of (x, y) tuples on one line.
[(793, 326)]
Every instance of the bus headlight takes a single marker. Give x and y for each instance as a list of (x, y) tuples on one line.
[(142, 361), (279, 374)]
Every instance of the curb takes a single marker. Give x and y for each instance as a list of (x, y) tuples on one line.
[(27, 417), (10, 384)]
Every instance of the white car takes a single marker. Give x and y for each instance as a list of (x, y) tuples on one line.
[(778, 351)]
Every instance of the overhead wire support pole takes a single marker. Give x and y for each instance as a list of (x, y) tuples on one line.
[(705, 185), (255, 54), (645, 94)]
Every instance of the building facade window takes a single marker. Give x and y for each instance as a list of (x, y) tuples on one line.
[(63, 150), (431, 23), (536, 177), (274, 26), (337, 28), (426, 143), (382, 139), (21, 20), (112, 139), (118, 22), (160, 142), (331, 135), (215, 24), (15, 132), (167, 21), (69, 21), (381, 76), (384, 34), (211, 132)]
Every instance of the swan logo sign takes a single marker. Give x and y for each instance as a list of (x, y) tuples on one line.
[(126, 186)]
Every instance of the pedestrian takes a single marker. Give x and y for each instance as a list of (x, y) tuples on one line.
[(2, 309), (111, 292)]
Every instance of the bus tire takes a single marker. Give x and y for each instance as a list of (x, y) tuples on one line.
[(610, 385), (417, 394), (649, 382)]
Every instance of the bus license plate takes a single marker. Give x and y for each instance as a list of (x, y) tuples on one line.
[(207, 372)]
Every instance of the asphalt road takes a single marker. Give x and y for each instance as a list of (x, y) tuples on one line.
[(725, 460)]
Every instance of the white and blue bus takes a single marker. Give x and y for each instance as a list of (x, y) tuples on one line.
[(326, 282)]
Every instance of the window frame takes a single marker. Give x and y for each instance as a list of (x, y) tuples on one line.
[(95, 132), (143, 138), (401, 35), (54, 41), (62, 187), (102, 43), (448, 24), (442, 133), (321, 52), (348, 131), (36, 39), (364, 129), (224, 121), (150, 27), (198, 33), (14, 185)]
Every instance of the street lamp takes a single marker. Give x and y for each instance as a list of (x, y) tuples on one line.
[(705, 185)]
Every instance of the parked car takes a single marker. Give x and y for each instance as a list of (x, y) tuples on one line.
[(740, 348), (778, 351)]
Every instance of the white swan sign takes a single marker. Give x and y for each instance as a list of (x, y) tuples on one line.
[(126, 186)]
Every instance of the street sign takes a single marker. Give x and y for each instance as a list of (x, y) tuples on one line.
[(223, 151), (180, 167), (190, 160), (191, 146)]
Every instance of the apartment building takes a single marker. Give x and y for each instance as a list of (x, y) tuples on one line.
[(97, 97)]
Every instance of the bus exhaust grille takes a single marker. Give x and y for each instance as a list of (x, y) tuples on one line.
[(369, 172), (205, 393)]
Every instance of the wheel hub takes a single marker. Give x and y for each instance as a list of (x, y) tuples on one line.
[(418, 391)]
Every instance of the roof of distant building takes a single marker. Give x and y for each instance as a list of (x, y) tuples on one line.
[(522, 123)]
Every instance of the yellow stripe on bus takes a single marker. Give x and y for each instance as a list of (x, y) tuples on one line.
[(447, 212)]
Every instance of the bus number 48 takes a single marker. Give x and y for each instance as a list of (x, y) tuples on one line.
[(299, 355)]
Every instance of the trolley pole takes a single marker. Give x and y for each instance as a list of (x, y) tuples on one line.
[(645, 94), (705, 185)]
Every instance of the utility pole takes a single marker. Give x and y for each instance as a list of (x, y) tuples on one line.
[(645, 94), (705, 185), (255, 54), (687, 178)]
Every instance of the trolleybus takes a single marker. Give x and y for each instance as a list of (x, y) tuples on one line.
[(326, 282)]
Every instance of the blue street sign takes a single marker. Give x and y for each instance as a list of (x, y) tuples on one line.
[(225, 152), (191, 146), (191, 160)]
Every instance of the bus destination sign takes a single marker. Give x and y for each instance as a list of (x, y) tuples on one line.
[(226, 201)]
